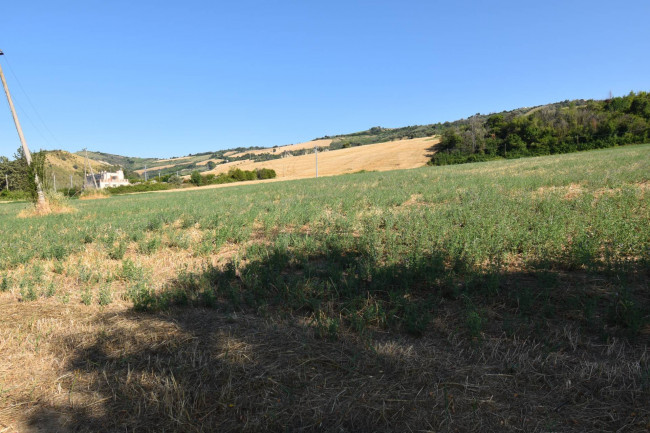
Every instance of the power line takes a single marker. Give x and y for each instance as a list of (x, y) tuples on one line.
[(25, 114), (29, 101)]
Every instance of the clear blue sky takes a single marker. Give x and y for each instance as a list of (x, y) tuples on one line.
[(167, 78)]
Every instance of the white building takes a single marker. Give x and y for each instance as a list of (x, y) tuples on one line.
[(106, 180)]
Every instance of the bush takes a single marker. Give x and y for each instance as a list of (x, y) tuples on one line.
[(138, 187), (175, 180), (196, 178), (238, 175), (266, 173), (14, 195)]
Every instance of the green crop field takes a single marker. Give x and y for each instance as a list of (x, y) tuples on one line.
[(507, 295)]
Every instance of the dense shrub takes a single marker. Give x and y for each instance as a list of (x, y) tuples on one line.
[(14, 195), (557, 128), (195, 178), (238, 175), (265, 173), (139, 187)]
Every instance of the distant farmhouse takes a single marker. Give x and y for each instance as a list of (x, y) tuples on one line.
[(106, 180)]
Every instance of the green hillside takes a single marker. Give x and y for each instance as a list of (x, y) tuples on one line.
[(127, 162), (60, 165), (185, 165), (547, 130), (378, 134), (560, 127)]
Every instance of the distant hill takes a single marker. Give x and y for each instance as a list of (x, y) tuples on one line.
[(64, 164), (559, 127), (469, 132), (127, 162)]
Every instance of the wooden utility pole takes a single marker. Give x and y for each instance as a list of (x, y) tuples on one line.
[(316, 154), (41, 203), (92, 174)]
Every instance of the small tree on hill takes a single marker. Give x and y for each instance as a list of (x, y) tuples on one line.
[(195, 178), (175, 180)]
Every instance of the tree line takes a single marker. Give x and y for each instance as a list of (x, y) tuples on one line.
[(17, 180), (233, 175), (552, 129)]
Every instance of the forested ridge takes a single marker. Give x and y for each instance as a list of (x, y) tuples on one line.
[(558, 128)]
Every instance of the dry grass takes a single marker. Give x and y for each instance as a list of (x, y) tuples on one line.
[(76, 368), (94, 194), (216, 161), (173, 159), (153, 169), (62, 164), (55, 203), (287, 148), (66, 161), (72, 367), (35, 211), (393, 155)]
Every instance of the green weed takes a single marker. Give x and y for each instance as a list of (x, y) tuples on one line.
[(58, 267), (149, 246), (50, 291), (87, 296), (130, 271), (6, 284), (143, 298), (28, 292), (626, 312), (474, 322), (117, 251), (105, 296)]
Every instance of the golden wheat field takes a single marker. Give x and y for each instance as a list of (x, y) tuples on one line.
[(395, 155)]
